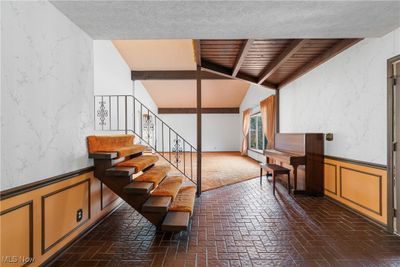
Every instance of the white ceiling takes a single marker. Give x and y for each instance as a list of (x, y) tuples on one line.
[(232, 19)]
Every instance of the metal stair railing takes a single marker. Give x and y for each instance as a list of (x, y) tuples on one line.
[(125, 113)]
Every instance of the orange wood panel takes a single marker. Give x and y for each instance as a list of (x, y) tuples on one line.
[(16, 235), (330, 174), (59, 212), (55, 205)]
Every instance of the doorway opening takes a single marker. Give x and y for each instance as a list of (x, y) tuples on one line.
[(393, 140)]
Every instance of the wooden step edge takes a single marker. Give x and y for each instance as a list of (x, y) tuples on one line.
[(103, 155), (176, 221), (155, 204), (120, 171), (139, 188)]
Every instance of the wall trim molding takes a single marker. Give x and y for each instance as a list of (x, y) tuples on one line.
[(42, 183), (30, 206), (102, 206), (43, 198), (336, 187), (379, 212), (358, 162), (350, 209), (55, 256)]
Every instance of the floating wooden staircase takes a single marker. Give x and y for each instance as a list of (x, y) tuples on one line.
[(166, 201)]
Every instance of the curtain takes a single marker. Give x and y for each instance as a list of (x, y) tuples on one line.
[(245, 131), (268, 116)]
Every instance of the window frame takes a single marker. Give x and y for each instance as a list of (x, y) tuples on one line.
[(260, 151)]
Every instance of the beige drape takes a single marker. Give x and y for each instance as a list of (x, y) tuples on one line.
[(268, 115), (245, 131)]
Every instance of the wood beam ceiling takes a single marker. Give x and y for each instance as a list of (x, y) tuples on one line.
[(193, 110), (260, 62), (174, 75), (197, 52), (290, 50), (224, 60), (340, 46), (227, 72), (241, 56)]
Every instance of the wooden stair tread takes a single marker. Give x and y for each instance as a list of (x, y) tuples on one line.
[(176, 221), (157, 204), (139, 163), (140, 188), (103, 155), (154, 175), (130, 150), (169, 187), (184, 201), (120, 171)]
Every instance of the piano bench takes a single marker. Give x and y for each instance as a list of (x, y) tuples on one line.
[(275, 170)]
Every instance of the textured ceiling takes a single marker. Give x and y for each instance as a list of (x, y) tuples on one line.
[(110, 20), (182, 94)]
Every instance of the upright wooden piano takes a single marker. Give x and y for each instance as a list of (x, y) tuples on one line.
[(304, 155)]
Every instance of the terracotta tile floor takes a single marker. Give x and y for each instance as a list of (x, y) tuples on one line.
[(241, 225)]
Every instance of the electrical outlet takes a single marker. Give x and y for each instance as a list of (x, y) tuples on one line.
[(79, 215)]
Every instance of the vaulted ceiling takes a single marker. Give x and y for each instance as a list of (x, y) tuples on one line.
[(157, 54), (164, 55), (271, 63), (182, 94)]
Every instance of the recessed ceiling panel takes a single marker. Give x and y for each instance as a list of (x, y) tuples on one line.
[(182, 94), (157, 54)]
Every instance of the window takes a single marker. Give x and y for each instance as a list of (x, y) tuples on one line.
[(256, 136)]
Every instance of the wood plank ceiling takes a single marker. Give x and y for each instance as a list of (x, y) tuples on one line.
[(271, 63)]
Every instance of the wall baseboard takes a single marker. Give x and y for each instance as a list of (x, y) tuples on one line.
[(56, 255), (379, 224), (358, 185), (358, 162)]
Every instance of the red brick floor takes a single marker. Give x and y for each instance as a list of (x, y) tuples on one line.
[(241, 225)]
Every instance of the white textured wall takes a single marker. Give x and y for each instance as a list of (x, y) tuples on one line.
[(112, 75), (346, 96), (219, 130), (252, 100), (143, 96), (46, 93)]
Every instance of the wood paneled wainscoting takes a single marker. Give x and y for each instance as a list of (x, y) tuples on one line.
[(40, 219), (358, 185)]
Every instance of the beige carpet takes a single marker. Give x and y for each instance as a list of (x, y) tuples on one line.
[(219, 168)]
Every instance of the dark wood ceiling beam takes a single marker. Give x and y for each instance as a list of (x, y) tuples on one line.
[(193, 110), (242, 56), (337, 48), (197, 52), (227, 72), (174, 75), (290, 50)]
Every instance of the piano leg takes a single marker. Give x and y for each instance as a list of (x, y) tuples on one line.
[(295, 191)]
